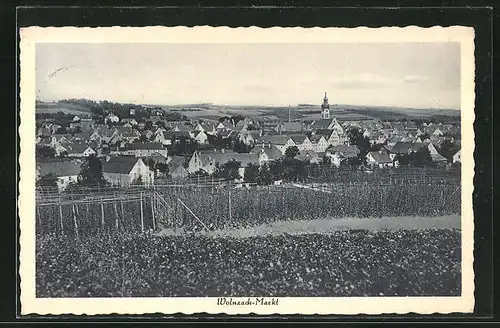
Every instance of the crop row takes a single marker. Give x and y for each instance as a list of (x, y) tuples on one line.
[(344, 263), (212, 208)]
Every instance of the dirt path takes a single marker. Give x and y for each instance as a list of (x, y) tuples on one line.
[(329, 225)]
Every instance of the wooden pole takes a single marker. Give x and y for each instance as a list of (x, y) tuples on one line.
[(142, 216), (230, 214), (153, 211), (61, 217), (102, 214), (116, 215), (74, 220)]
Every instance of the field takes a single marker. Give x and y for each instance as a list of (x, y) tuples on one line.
[(359, 235), (343, 263), (67, 108)]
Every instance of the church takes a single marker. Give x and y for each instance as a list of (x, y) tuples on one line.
[(325, 108)]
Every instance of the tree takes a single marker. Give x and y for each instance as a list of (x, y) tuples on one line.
[(421, 158), (137, 181), (98, 113), (448, 149), (47, 180), (229, 170), (357, 138), (162, 167), (291, 152), (91, 172), (251, 173), (265, 176)]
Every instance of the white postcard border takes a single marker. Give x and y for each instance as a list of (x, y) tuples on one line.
[(205, 34)]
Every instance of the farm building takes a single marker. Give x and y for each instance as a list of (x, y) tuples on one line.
[(65, 171), (282, 142), (145, 149), (379, 158), (79, 150), (436, 156), (206, 160), (124, 170), (340, 153)]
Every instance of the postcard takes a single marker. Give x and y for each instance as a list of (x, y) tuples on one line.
[(246, 170)]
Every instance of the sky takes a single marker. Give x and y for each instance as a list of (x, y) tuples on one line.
[(415, 75)]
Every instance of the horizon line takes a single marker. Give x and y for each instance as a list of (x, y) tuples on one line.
[(248, 105)]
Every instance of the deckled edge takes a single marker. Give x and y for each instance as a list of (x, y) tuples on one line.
[(24, 176)]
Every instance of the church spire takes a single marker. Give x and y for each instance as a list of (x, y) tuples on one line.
[(325, 108)]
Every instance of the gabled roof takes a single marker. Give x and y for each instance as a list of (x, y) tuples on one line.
[(278, 139), (298, 138), (59, 168), (291, 126), (273, 153), (321, 124), (77, 148), (316, 138), (405, 147), (146, 146), (345, 150), (380, 156), (120, 164), (176, 134)]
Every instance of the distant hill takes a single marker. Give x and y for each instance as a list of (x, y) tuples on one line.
[(298, 111), (67, 108)]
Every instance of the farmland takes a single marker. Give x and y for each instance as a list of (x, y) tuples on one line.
[(197, 207), (362, 236), (343, 263)]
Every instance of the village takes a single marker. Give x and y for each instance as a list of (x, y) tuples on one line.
[(150, 147)]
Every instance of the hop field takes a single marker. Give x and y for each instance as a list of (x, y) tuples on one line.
[(343, 263)]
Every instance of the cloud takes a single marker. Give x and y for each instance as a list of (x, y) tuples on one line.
[(414, 79), (364, 80)]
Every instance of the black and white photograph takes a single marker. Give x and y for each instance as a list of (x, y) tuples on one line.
[(241, 174)]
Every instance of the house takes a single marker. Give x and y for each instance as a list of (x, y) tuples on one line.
[(310, 156), (79, 150), (438, 132), (289, 127), (267, 153), (112, 118), (403, 148), (76, 119), (379, 159), (336, 138), (207, 160), (65, 171), (125, 170), (224, 127), (436, 156), (301, 141), (201, 137), (248, 137), (145, 149), (130, 121), (282, 142), (318, 143), (457, 158), (176, 167), (340, 153)]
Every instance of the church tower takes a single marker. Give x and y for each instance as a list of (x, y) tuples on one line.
[(325, 109)]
